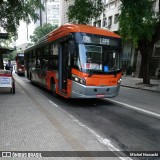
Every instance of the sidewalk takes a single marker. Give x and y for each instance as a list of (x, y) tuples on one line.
[(29, 121), (137, 83)]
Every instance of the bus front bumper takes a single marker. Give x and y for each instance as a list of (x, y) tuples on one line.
[(82, 91)]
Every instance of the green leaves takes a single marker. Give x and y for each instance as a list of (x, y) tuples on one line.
[(83, 11), (12, 11), (42, 31), (137, 20)]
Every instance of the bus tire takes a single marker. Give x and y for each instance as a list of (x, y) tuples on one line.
[(53, 88)]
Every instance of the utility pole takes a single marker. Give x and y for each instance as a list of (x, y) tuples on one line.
[(40, 14)]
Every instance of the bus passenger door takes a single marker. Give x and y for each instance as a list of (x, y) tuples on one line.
[(63, 67)]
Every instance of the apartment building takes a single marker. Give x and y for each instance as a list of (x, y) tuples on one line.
[(51, 14), (64, 10), (109, 18)]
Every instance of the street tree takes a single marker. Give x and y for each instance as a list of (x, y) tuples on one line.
[(39, 32), (12, 11), (140, 22), (4, 46), (82, 11)]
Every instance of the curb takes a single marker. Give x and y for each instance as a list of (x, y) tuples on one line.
[(140, 88)]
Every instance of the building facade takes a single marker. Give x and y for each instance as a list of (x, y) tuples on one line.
[(64, 10)]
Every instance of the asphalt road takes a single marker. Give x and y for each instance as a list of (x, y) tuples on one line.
[(128, 129)]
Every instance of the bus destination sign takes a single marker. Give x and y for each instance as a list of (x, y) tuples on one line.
[(97, 39)]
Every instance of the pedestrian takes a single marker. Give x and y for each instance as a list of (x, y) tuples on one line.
[(9, 66)]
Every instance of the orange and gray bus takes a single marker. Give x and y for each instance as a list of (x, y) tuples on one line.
[(76, 61)]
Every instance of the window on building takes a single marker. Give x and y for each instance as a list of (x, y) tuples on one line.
[(107, 7), (104, 22), (99, 23), (112, 5), (94, 23), (116, 18), (109, 21), (156, 52)]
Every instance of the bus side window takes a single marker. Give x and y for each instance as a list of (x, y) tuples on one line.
[(53, 64), (53, 49), (45, 64), (46, 50), (38, 59)]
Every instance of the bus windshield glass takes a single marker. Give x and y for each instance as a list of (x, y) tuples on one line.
[(97, 58), (20, 60)]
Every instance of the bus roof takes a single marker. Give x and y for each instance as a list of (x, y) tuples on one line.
[(70, 28)]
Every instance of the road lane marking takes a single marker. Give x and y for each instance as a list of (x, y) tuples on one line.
[(102, 140), (140, 110), (54, 104)]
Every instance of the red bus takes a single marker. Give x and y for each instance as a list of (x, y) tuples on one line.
[(76, 61), (19, 69)]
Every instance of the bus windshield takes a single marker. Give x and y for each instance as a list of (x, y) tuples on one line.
[(20, 60), (97, 58)]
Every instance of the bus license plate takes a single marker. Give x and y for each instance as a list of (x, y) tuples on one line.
[(100, 95)]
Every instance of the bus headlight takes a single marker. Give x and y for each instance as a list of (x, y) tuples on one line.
[(78, 79), (119, 81)]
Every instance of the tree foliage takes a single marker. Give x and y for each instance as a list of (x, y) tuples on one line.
[(42, 31), (83, 11), (12, 55), (140, 23), (12, 11), (138, 20)]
